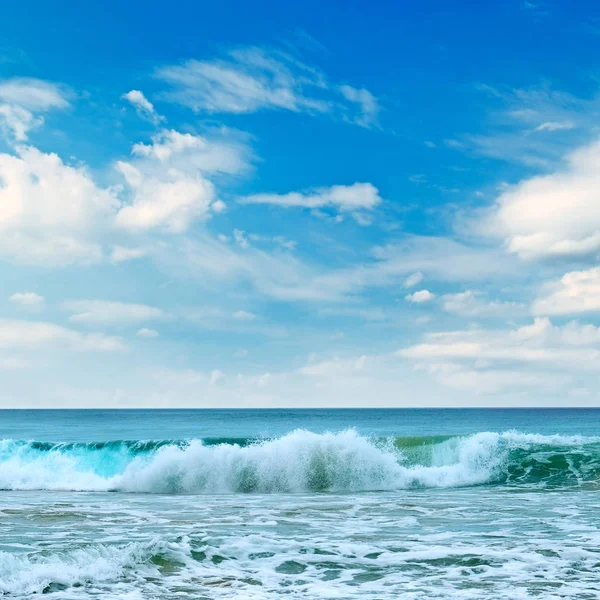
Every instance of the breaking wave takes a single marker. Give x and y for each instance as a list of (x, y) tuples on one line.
[(43, 573), (300, 461)]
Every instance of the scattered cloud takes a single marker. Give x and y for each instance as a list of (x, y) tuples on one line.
[(484, 360), (539, 342), (94, 312), (23, 101), (243, 315), (28, 301), (188, 153), (555, 126), (473, 304), (533, 126), (168, 180), (170, 202), (49, 210), (553, 215), (120, 254), (42, 335), (252, 79), (344, 198), (143, 106), (413, 279), (576, 292), (420, 297), (147, 333), (368, 106)]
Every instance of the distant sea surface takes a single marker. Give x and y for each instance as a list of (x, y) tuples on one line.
[(265, 504)]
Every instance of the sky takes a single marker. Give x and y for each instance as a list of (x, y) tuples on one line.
[(308, 204)]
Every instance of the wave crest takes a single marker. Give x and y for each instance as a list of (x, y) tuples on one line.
[(300, 461)]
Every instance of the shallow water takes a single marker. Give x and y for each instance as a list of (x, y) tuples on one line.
[(474, 504)]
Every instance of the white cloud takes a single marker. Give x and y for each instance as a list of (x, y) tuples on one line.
[(285, 277), (335, 367), (189, 153), (253, 79), (33, 94), (49, 210), (39, 335), (413, 279), (168, 180), (244, 315), (17, 121), (552, 215), (92, 312), (368, 105), (122, 254), (420, 297), (147, 333), (540, 342), (246, 81), (473, 304), (532, 126), (554, 126), (576, 292), (171, 202), (28, 301), (345, 198), (540, 356), (21, 101), (143, 106)]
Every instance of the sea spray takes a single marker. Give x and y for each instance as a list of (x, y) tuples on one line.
[(300, 461)]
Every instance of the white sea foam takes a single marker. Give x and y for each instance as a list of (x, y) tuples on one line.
[(297, 462), (23, 574)]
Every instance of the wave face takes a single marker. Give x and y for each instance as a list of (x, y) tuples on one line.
[(301, 461)]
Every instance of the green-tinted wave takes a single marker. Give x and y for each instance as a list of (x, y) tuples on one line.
[(301, 461)]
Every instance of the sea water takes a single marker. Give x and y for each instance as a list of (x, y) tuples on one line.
[(265, 504)]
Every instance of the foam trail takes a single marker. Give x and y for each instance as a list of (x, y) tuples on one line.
[(300, 461), (39, 573)]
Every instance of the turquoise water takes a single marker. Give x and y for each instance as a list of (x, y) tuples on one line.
[(265, 504)]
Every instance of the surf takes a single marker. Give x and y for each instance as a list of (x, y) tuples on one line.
[(300, 462)]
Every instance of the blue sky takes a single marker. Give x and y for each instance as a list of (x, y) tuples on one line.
[(319, 204)]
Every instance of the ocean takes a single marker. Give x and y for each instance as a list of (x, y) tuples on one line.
[(267, 504)]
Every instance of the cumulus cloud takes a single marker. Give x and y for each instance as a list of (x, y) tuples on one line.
[(420, 297), (552, 215), (28, 301), (171, 202), (168, 180), (575, 292), (48, 209), (93, 312), (42, 335), (189, 153)]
